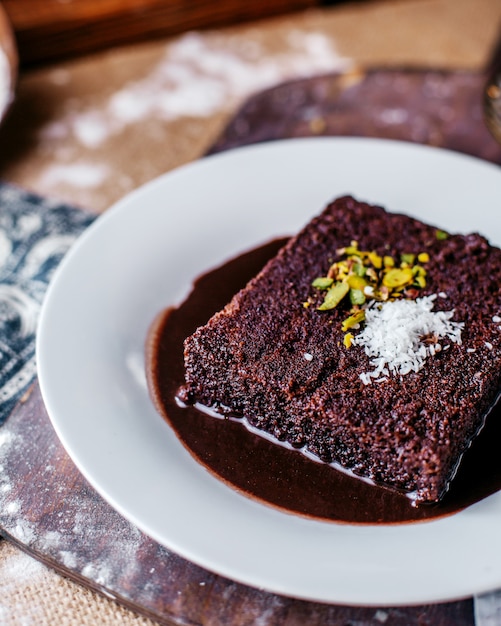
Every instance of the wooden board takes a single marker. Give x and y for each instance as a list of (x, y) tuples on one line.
[(47, 30), (49, 510), (433, 107)]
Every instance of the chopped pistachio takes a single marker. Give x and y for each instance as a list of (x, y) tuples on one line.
[(322, 282), (333, 271), (371, 273), (348, 339), (343, 271), (441, 235), (365, 275), (417, 270), (376, 260), (349, 250), (398, 277), (360, 269), (356, 282), (407, 258), (353, 320), (384, 293), (411, 292), (334, 296), (357, 296)]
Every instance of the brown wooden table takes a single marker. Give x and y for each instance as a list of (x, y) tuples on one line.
[(49, 30)]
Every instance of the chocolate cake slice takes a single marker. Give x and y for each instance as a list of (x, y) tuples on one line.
[(371, 341)]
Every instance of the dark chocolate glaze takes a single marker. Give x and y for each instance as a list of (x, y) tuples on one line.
[(275, 474)]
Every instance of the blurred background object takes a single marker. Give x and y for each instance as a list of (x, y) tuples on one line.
[(492, 94), (8, 63), (47, 30)]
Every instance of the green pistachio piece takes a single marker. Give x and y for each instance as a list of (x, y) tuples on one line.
[(375, 259), (359, 269), (357, 296), (353, 320), (356, 282), (334, 296), (322, 282), (398, 277), (408, 258)]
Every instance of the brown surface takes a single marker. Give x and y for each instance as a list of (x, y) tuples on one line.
[(431, 106), (39, 139), (47, 30)]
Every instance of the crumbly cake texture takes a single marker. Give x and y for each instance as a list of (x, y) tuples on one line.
[(283, 366)]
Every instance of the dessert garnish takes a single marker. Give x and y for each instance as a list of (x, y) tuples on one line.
[(400, 330), (399, 336), (441, 235), (365, 276)]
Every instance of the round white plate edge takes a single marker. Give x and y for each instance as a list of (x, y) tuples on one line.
[(321, 595)]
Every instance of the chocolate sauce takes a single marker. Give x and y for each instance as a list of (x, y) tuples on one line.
[(275, 474)]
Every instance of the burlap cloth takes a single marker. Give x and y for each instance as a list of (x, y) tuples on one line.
[(89, 131)]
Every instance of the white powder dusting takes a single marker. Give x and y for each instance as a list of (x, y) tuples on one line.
[(124, 548), (90, 128), (393, 336), (6, 440), (20, 568), (100, 573), (13, 507), (381, 616), (24, 532), (394, 116), (116, 557), (20, 577), (199, 75), (79, 174), (269, 613)]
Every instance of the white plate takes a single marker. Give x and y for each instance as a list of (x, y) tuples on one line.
[(142, 256)]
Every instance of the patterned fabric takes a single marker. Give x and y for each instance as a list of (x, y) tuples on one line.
[(35, 233)]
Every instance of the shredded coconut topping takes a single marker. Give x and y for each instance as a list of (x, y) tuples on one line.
[(400, 335)]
